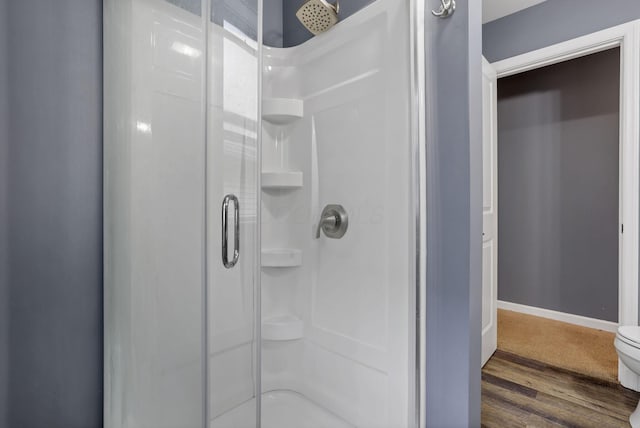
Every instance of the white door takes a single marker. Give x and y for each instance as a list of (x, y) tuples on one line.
[(489, 213)]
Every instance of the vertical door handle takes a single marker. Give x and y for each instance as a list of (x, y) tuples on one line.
[(225, 231)]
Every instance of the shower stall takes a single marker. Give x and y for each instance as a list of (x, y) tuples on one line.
[(262, 218)]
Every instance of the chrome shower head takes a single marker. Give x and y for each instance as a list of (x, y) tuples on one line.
[(318, 15)]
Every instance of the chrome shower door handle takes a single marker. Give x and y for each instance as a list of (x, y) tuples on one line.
[(225, 231)]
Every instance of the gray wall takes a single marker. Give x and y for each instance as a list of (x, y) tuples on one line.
[(558, 131), (55, 213), (272, 21), (454, 216), (295, 33), (4, 266), (552, 22)]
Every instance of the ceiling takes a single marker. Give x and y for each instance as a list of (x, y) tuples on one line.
[(494, 9)]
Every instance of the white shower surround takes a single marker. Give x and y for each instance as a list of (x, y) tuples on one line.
[(353, 147)]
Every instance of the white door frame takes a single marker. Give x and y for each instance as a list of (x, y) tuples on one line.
[(626, 37)]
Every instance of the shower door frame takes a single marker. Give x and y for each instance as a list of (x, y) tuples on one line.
[(417, 10)]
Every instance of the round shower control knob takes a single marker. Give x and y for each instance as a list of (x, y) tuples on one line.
[(334, 222)]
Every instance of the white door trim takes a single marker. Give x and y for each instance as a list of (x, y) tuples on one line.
[(625, 36)]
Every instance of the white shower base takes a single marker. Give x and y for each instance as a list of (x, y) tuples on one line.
[(280, 409)]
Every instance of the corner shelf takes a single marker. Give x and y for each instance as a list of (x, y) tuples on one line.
[(282, 327), (282, 111), (281, 180), (281, 257)]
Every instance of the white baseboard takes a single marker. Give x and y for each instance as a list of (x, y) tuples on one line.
[(560, 316)]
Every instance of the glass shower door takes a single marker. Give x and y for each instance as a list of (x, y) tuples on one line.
[(180, 137), (232, 214), (154, 178)]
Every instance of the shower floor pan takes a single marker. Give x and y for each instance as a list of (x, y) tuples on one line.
[(280, 409)]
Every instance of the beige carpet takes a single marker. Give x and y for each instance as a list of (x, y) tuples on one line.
[(579, 349)]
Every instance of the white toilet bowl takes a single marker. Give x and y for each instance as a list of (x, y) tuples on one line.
[(627, 345)]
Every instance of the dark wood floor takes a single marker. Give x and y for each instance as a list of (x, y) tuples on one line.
[(517, 392)]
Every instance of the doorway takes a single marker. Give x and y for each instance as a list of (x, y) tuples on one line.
[(524, 178), (610, 43)]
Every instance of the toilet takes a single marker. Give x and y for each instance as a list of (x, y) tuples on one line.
[(627, 345)]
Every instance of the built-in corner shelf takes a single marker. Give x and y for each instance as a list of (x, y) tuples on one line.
[(281, 257), (281, 179), (282, 111), (282, 327)]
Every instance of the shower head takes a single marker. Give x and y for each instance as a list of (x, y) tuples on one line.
[(318, 15)]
